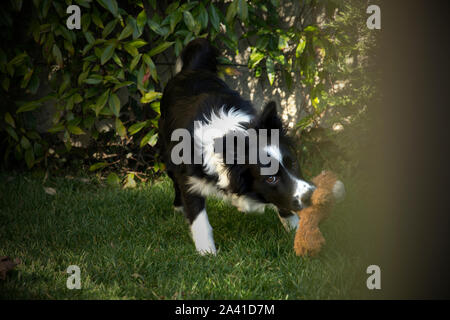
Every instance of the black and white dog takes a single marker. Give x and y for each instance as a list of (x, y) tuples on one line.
[(196, 98)]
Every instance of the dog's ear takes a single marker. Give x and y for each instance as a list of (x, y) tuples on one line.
[(269, 118)]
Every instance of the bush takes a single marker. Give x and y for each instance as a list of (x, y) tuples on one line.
[(106, 75)]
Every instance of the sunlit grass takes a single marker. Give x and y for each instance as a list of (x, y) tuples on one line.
[(130, 244)]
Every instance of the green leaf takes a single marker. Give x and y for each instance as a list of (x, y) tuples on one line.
[(25, 143), (283, 42), (93, 81), (255, 58), (109, 28), (114, 104), (5, 83), (29, 106), (214, 17), (18, 59), (56, 128), (157, 28), (311, 29), (141, 20), (160, 48), (175, 18), (77, 98), (111, 5), (189, 21), (146, 138), (98, 165), (113, 179), (107, 54), (122, 84), (136, 31), (135, 61), (243, 10), (135, 128), (151, 96), (300, 48), (138, 43), (96, 19), (120, 128), (156, 107), (153, 140), (57, 55), (203, 16), (12, 133), (70, 103), (126, 32), (85, 22), (101, 101), (117, 60), (172, 7), (130, 49), (89, 37), (29, 158), (26, 78), (270, 70), (34, 83), (231, 12), (75, 129), (9, 120), (306, 121), (149, 62)]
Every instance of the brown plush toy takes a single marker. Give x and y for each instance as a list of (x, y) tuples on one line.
[(309, 239)]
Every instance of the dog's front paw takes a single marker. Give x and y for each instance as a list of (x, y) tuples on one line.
[(202, 234), (205, 245)]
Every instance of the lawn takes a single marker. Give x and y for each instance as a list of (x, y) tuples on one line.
[(130, 244)]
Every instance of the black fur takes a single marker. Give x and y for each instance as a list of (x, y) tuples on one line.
[(192, 95)]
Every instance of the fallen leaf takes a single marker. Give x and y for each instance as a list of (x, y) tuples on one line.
[(6, 264), (50, 191)]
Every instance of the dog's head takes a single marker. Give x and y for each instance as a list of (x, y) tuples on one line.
[(274, 176)]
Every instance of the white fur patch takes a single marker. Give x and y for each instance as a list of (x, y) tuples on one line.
[(204, 187), (301, 188), (274, 152), (246, 204), (202, 234), (216, 126), (241, 202)]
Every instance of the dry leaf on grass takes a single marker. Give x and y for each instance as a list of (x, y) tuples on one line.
[(50, 191), (6, 264)]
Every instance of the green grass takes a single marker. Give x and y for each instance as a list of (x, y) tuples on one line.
[(130, 244)]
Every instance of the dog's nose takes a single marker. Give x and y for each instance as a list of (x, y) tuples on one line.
[(306, 197), (296, 204)]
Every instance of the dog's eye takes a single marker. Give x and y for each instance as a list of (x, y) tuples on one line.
[(272, 180)]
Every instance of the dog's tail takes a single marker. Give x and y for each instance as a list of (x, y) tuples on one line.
[(199, 54)]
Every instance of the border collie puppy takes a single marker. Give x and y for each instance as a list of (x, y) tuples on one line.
[(197, 100)]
